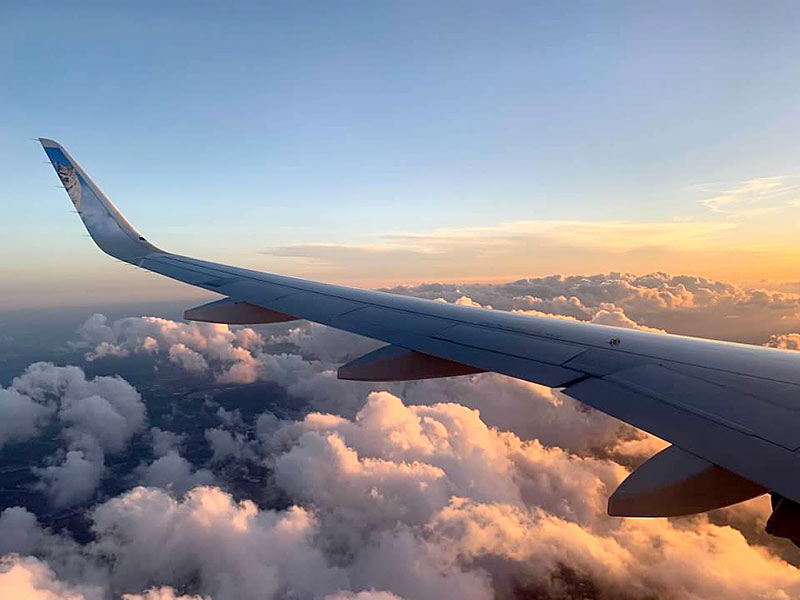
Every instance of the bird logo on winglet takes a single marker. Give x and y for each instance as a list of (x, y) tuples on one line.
[(69, 178)]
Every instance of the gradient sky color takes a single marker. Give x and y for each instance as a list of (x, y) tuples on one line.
[(374, 142)]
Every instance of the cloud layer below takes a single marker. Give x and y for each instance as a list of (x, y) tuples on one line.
[(471, 487)]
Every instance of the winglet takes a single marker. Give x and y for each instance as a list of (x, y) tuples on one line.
[(109, 229)]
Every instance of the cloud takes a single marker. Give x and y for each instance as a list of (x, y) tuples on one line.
[(784, 341), (187, 358), (615, 236), (19, 531), (189, 345), (513, 249), (484, 497), (754, 197), (367, 595), (163, 441), (20, 416), (533, 411), (473, 487), (162, 593), (410, 501), (682, 304), (72, 481), (28, 578), (580, 295), (325, 344), (173, 472), (232, 549), (239, 355), (227, 445), (96, 416)]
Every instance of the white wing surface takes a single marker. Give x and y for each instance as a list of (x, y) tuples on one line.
[(731, 411)]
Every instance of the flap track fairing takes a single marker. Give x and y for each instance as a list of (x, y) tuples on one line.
[(675, 482), (393, 363), (233, 312)]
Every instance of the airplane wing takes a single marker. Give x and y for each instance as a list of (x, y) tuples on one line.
[(731, 411)]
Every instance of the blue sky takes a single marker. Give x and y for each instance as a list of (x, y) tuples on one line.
[(238, 133)]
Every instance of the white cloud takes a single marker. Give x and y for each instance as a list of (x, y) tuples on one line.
[(227, 445), (27, 578), (73, 480), (682, 304), (187, 358), (412, 502), (163, 593), (173, 472), (231, 548), (757, 196), (19, 531), (415, 494), (97, 416), (366, 595), (20, 416), (189, 345), (163, 441), (784, 341)]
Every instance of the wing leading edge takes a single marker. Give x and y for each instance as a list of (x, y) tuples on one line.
[(733, 406)]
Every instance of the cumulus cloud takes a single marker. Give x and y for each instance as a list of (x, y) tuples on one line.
[(418, 501), (20, 416), (533, 411), (173, 472), (162, 593), (96, 416), (19, 531), (227, 445), (784, 341), (189, 345), (163, 441), (366, 595), (484, 497), (241, 355), (579, 295), (683, 304), (232, 548), (73, 480), (187, 358), (325, 344), (472, 487), (28, 578)]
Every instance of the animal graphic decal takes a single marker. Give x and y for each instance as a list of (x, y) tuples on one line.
[(69, 178)]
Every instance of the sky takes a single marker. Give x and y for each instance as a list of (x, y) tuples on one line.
[(630, 164), (383, 143)]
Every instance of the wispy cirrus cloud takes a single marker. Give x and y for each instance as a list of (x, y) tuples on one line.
[(512, 249), (754, 197)]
